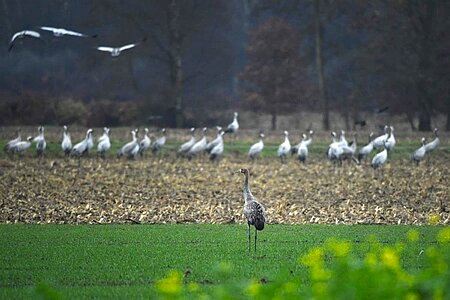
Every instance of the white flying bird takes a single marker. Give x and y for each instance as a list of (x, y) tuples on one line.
[(59, 32), (23, 34), (115, 51)]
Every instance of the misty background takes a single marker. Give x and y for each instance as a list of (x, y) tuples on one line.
[(202, 60)]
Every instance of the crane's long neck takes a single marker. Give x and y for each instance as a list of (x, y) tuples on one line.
[(246, 189)]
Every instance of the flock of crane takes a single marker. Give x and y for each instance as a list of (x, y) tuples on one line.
[(338, 151), (60, 32)]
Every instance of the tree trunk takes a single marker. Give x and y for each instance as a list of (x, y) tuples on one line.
[(274, 121), (424, 121), (319, 65), (410, 118), (176, 75), (447, 125), (424, 84)]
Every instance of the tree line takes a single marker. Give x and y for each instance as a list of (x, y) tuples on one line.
[(203, 57)]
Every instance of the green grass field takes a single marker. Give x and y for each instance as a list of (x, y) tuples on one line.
[(124, 261)]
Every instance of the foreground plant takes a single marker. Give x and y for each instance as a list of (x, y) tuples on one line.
[(334, 272)]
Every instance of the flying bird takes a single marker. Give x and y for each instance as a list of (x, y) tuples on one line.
[(115, 51), (21, 35), (59, 32)]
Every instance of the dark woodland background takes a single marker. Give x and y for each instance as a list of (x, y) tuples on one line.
[(204, 58)]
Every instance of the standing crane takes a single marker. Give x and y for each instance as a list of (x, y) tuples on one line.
[(217, 151), (103, 143), (184, 148), (41, 144), (366, 150), (256, 149), (302, 151), (419, 154), (144, 143), (380, 159), (434, 143), (160, 142), (378, 142), (216, 141), (21, 146), (11, 143), (305, 142), (390, 142), (233, 126), (130, 149), (199, 146), (66, 144), (81, 147), (254, 211), (284, 147)]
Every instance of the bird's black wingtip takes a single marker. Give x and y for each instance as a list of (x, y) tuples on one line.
[(10, 47), (94, 36)]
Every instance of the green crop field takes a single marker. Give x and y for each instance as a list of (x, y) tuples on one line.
[(126, 261)]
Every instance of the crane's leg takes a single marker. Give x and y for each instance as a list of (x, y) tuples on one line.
[(248, 237), (256, 234)]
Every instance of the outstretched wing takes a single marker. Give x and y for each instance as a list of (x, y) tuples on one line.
[(47, 28), (107, 49), (129, 46)]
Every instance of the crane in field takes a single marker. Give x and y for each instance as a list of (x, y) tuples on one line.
[(254, 211)]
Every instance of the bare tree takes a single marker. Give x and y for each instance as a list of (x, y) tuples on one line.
[(272, 78)]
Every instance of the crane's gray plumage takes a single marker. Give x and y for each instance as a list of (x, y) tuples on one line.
[(12, 142), (199, 146), (284, 147), (103, 143), (254, 211), (233, 126), (365, 151), (160, 142), (21, 146), (419, 154), (256, 149), (41, 144), (185, 147), (81, 147), (130, 149), (380, 159), (145, 143), (378, 142), (434, 143), (302, 151), (216, 141), (217, 150)]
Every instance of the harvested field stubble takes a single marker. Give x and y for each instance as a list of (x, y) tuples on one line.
[(166, 190)]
